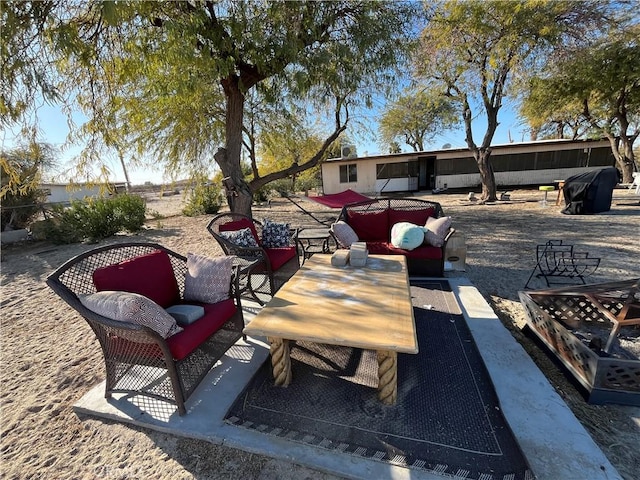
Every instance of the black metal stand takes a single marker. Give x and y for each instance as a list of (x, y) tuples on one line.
[(555, 259)]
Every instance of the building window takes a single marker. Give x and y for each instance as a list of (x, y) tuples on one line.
[(349, 173), (397, 170)]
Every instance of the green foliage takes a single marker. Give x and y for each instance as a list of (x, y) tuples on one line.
[(129, 211), (18, 211), (25, 66), (265, 193), (309, 181), (289, 144), (61, 228), (95, 219), (20, 174), (171, 79), (475, 49), (606, 77), (204, 199), (549, 118), (598, 85), (416, 118)]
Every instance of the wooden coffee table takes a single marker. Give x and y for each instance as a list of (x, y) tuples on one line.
[(364, 307)]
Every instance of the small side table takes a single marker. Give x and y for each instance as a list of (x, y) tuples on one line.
[(560, 187), (546, 189), (251, 277), (314, 240), (455, 253)]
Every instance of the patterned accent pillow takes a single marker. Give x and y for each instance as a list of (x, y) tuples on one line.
[(242, 238), (132, 308), (275, 235), (436, 230), (345, 235), (208, 280)]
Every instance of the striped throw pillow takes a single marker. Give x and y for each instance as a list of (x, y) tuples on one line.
[(132, 308)]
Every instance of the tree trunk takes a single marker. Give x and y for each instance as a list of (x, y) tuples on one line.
[(127, 182), (487, 176), (228, 158), (239, 191), (482, 153), (622, 149)]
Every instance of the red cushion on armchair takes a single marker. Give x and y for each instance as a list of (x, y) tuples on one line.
[(215, 315), (149, 275)]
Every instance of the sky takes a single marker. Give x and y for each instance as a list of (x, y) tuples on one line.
[(54, 130)]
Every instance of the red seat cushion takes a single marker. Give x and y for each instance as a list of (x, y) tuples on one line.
[(149, 275), (280, 255), (417, 217), (215, 315), (370, 227), (239, 225), (379, 248), (423, 253)]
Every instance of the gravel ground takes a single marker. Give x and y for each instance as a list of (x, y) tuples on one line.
[(50, 359)]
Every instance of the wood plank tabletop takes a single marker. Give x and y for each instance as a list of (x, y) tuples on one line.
[(366, 307)]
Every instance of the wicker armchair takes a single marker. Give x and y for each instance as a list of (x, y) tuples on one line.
[(263, 270), (138, 360)]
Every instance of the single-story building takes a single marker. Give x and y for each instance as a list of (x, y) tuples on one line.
[(527, 163), (65, 192)]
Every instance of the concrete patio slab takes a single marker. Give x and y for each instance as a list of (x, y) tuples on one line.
[(554, 442)]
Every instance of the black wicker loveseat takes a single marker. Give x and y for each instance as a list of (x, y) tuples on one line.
[(138, 359), (372, 221)]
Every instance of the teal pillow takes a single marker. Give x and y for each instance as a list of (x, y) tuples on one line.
[(406, 235)]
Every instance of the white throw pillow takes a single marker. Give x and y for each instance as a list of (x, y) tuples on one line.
[(407, 236), (344, 234), (208, 279), (436, 230), (132, 308)]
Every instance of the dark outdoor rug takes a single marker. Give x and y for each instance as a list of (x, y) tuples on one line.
[(447, 419)]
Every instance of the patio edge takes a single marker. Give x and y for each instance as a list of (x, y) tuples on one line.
[(552, 439)]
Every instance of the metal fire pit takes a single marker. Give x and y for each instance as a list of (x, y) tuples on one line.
[(580, 325)]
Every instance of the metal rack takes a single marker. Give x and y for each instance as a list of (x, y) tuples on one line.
[(558, 260)]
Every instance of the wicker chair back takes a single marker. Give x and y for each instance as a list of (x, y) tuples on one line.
[(138, 361)]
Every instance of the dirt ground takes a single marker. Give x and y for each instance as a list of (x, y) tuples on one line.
[(49, 357)]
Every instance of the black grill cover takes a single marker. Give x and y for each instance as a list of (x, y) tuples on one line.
[(590, 192)]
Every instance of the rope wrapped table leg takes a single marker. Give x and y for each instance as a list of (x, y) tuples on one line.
[(387, 377), (280, 361)]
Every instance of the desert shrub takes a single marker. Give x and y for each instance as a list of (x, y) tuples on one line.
[(307, 183), (95, 219), (277, 187), (20, 174), (204, 199), (130, 211), (20, 209), (60, 228)]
